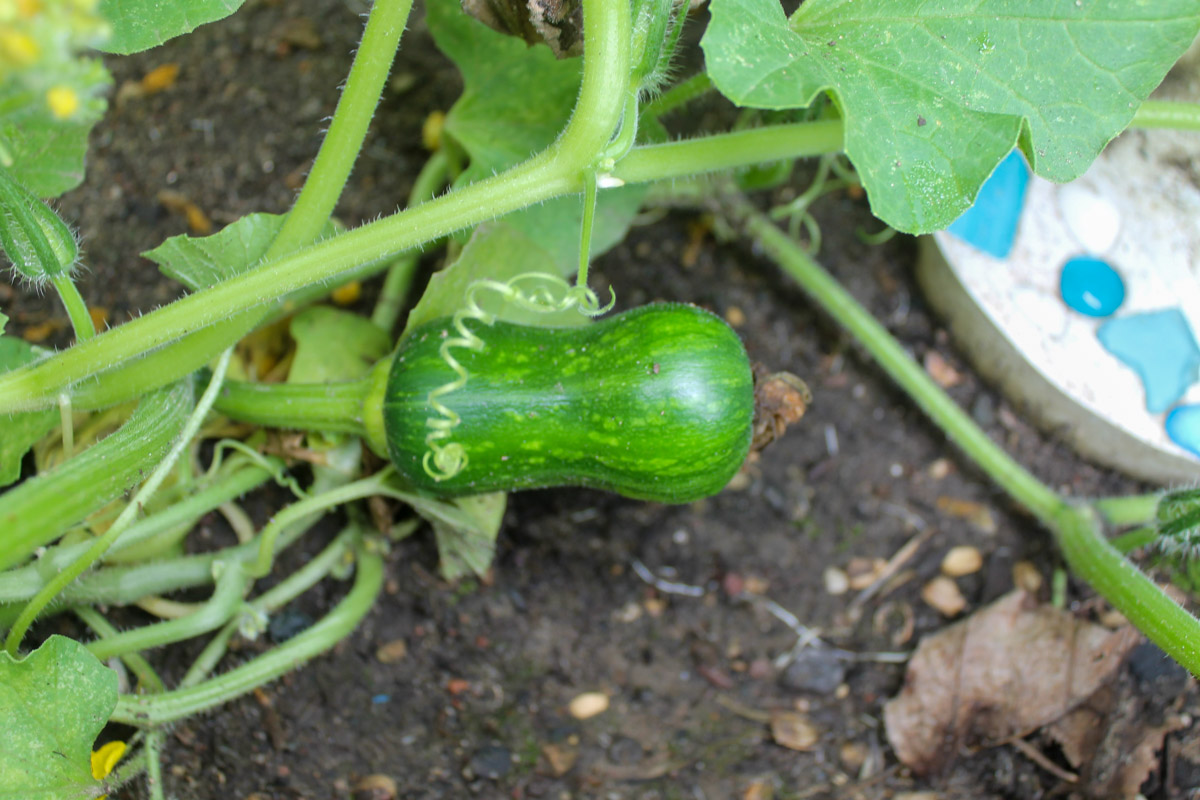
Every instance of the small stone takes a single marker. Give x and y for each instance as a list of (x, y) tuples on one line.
[(1091, 286), (288, 623), (938, 368), (560, 757), (983, 410), (588, 705), (1091, 219), (392, 652), (625, 751), (491, 761), (374, 787), (853, 755), (943, 594), (815, 669), (1026, 576), (793, 731), (836, 581), (940, 468), (735, 316), (962, 560)]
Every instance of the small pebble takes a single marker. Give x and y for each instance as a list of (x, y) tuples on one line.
[(491, 762), (793, 731), (962, 560), (943, 595), (374, 787), (836, 581), (735, 316), (625, 751), (392, 652), (853, 755), (864, 571), (983, 410), (588, 705), (288, 623), (1026, 576), (939, 469), (815, 669)]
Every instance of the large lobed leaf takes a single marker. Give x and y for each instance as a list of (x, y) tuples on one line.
[(936, 92), (141, 24), (53, 704)]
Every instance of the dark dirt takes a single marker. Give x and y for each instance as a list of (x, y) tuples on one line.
[(478, 705)]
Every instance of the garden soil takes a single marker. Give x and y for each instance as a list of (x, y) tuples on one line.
[(467, 689)]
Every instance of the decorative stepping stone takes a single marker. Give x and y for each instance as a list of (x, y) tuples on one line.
[(1160, 347)]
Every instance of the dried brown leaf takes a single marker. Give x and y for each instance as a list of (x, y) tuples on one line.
[(1006, 670)]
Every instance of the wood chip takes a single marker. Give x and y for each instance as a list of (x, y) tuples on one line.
[(160, 78), (976, 514)]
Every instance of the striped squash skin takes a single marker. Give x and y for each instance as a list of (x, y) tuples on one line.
[(656, 403)]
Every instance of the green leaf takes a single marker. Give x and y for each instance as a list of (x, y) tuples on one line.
[(334, 345), (20, 431), (53, 704), (204, 261), (499, 122), (497, 252), (201, 262), (467, 545), (3, 323), (141, 24), (935, 94)]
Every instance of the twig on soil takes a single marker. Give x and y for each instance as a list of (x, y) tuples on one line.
[(665, 586), (902, 556), (1037, 757)]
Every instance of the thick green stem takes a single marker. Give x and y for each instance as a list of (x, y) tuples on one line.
[(348, 129), (1092, 558), (1167, 114), (729, 150), (18, 585), (315, 203), (40, 509), (151, 710), (101, 544), (558, 170), (1076, 528), (226, 599), (333, 407)]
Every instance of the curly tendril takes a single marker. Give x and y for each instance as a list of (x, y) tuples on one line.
[(444, 459)]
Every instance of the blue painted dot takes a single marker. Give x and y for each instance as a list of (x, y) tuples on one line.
[(1091, 286), (1160, 347), (991, 224), (1183, 428), (380, 699)]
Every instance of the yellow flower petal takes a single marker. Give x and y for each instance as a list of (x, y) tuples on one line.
[(63, 101), (18, 49), (106, 758)]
